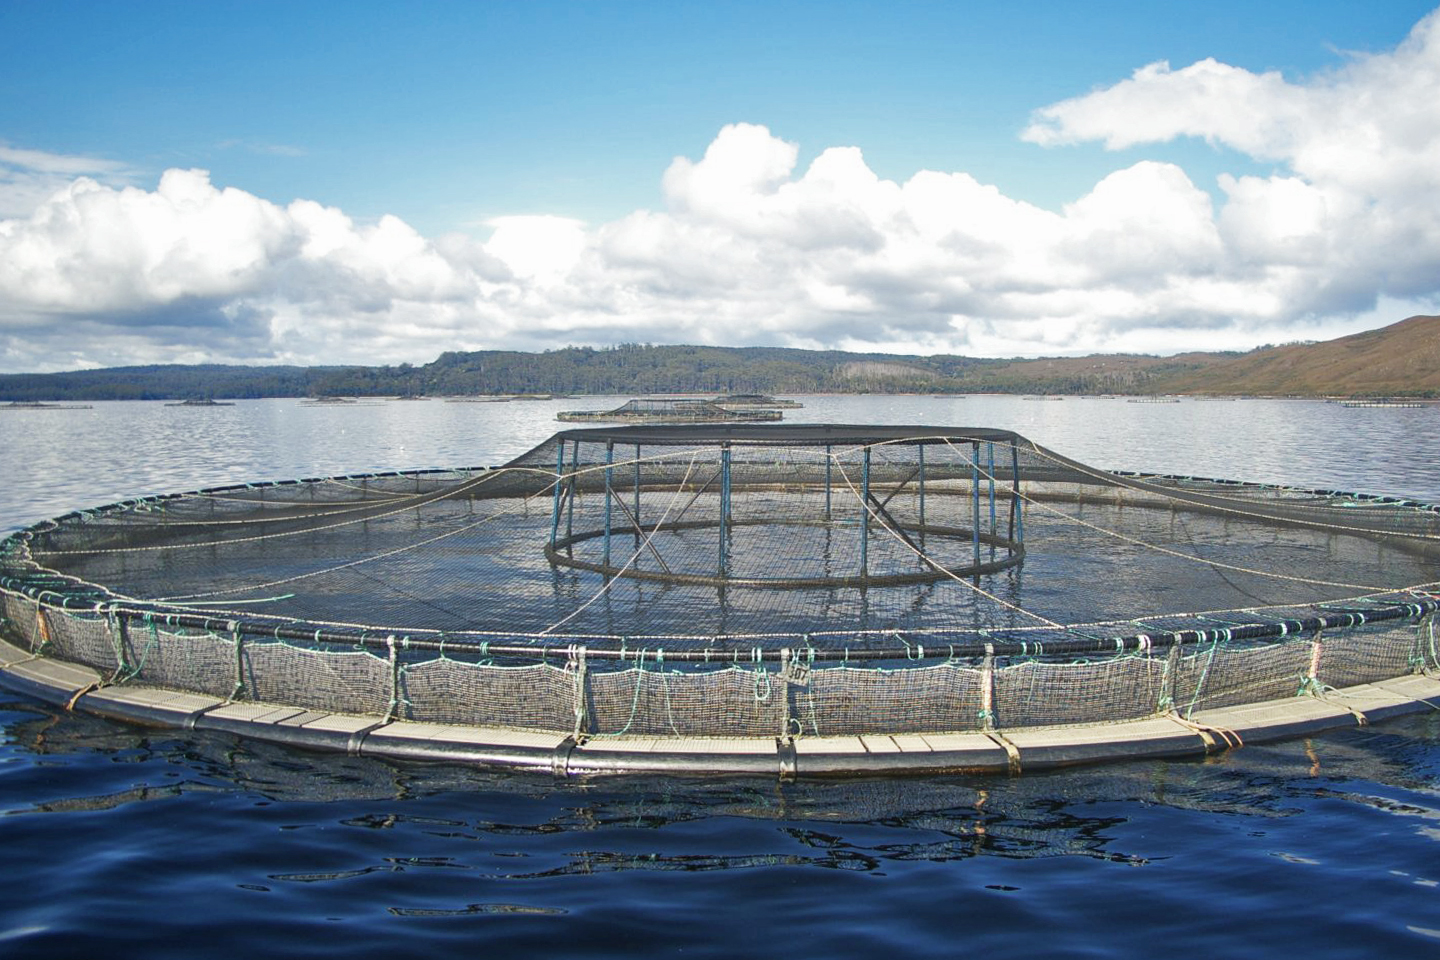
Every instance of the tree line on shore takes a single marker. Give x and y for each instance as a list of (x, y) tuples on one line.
[(634, 369)]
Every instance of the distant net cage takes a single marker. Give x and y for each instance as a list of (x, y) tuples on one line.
[(756, 401), (740, 581), (665, 410)]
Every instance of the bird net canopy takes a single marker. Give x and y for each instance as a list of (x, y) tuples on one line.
[(669, 578)]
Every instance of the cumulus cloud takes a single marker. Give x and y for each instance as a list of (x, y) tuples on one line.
[(749, 247), (28, 177)]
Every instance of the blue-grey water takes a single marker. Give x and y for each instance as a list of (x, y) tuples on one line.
[(125, 842)]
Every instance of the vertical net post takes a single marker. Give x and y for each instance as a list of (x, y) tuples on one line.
[(724, 505), (609, 492), (637, 495), (975, 498), (570, 507), (865, 515), (990, 469), (828, 461), (920, 453), (559, 482), (1017, 527)]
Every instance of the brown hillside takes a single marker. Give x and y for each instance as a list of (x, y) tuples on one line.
[(1401, 359)]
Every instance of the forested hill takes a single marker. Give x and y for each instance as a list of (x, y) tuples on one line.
[(632, 369), (166, 382), (1401, 359)]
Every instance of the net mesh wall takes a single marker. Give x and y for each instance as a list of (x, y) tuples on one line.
[(199, 661), (740, 580), (536, 696)]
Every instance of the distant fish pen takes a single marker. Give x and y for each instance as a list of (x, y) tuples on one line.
[(666, 410), (789, 601), (756, 401), (1388, 403)]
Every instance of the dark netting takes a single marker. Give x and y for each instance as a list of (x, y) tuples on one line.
[(730, 580), (666, 410)]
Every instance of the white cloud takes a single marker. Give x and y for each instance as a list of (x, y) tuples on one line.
[(541, 248), (29, 177), (751, 248)]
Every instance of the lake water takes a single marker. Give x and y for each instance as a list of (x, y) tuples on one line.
[(125, 842)]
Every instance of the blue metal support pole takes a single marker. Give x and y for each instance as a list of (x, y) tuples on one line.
[(828, 461), (921, 450), (975, 497), (1019, 504), (865, 516), (609, 477), (637, 495), (559, 482), (990, 469), (570, 507), (724, 507)]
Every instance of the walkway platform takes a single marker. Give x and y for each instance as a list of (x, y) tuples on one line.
[(1001, 751)]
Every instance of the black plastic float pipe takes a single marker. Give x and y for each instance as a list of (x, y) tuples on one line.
[(1414, 610)]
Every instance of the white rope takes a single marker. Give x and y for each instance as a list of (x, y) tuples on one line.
[(610, 581), (1188, 556), (1119, 481), (419, 501), (911, 547)]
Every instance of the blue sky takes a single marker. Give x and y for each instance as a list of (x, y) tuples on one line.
[(461, 121)]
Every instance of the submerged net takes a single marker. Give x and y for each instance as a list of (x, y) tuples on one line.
[(741, 581)]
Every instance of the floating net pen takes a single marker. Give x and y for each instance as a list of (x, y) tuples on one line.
[(737, 598)]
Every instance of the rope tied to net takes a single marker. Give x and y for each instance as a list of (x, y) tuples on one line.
[(394, 660), (760, 673), (42, 629), (576, 665), (635, 696), (1215, 640), (986, 714), (124, 671), (117, 645), (239, 639), (1428, 626), (1166, 701), (909, 650), (1310, 682)]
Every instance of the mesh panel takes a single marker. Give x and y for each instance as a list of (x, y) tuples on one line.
[(80, 639), (200, 662), (20, 620), (851, 700), (540, 696), (1364, 656), (317, 680), (1225, 675), (1034, 694), (728, 702)]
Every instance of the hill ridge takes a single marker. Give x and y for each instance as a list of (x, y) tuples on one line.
[(1402, 359)]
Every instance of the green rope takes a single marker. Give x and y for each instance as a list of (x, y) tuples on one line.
[(239, 639), (123, 675), (1204, 674)]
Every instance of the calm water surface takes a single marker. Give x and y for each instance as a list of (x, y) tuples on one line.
[(122, 842)]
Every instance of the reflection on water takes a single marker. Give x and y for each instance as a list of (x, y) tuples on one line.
[(258, 838)]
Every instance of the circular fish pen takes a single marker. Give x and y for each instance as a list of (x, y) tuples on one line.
[(792, 600), (670, 410)]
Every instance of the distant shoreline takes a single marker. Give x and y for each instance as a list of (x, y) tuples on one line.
[(1400, 362)]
